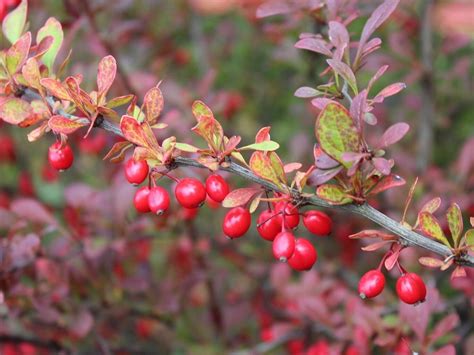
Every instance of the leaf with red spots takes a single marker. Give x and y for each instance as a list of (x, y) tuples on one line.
[(139, 134), (207, 127), (18, 53), (454, 217), (153, 104), (56, 88), (60, 124), (15, 111), (336, 132), (105, 75), (268, 166), (431, 227), (334, 194)]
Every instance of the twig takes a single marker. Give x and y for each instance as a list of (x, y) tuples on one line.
[(408, 236)]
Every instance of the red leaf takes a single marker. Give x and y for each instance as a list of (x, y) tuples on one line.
[(444, 326), (272, 8), (386, 183), (338, 35), (393, 134), (376, 76), (378, 17), (290, 167), (105, 75), (139, 134), (373, 233), (391, 260), (31, 210), (376, 246), (383, 165), (345, 71), (240, 197), (263, 135), (389, 91), (315, 45), (359, 107)]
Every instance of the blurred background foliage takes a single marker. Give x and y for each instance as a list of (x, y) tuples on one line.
[(156, 285)]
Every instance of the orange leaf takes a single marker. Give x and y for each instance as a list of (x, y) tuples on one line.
[(15, 111), (263, 135), (106, 75), (153, 104), (207, 127), (56, 88), (240, 197), (18, 53), (117, 153), (139, 134), (60, 124)]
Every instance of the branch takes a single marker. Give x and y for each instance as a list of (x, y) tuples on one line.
[(409, 237)]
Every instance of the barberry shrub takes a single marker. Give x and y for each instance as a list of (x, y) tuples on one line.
[(138, 251)]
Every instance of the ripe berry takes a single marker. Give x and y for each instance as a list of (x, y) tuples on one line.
[(236, 222), (268, 225), (304, 256), (292, 218), (188, 214), (7, 149), (371, 284), (216, 187), (136, 171), (60, 157), (283, 246), (158, 200), (410, 288), (317, 222), (190, 193), (140, 200)]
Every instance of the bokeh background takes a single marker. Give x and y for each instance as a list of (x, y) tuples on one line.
[(106, 280)]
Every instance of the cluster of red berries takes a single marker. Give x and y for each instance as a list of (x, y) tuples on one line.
[(276, 226), (189, 192), (410, 287)]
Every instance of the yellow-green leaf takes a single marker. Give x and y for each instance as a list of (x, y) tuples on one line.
[(337, 133), (263, 146), (430, 226), (14, 23), (455, 223), (469, 238), (52, 28), (334, 194), (207, 127), (184, 147)]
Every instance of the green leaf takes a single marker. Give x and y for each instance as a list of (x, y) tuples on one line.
[(52, 28), (334, 194), (119, 101), (263, 146), (455, 223), (469, 238), (14, 24), (337, 133), (15, 111), (184, 147), (430, 226)]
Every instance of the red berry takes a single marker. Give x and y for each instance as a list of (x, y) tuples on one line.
[(136, 171), (158, 200), (371, 284), (304, 256), (410, 288), (212, 204), (317, 222), (190, 193), (268, 225), (7, 149), (60, 157), (236, 222), (319, 348), (292, 218), (216, 187), (189, 214), (140, 200), (283, 246)]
